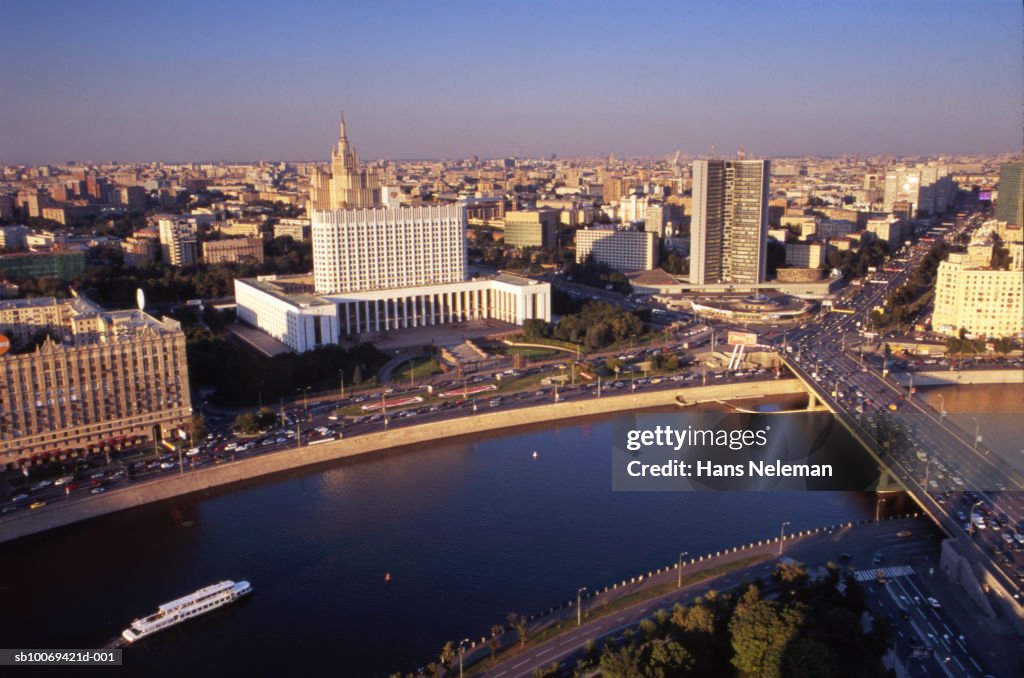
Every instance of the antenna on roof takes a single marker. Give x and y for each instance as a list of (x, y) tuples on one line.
[(713, 156), (740, 153)]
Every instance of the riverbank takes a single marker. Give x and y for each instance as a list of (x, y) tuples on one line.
[(58, 515), (958, 377)]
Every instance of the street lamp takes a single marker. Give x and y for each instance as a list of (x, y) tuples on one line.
[(579, 609), (942, 407), (462, 651), (782, 535), (977, 432), (878, 505), (970, 524), (679, 582)]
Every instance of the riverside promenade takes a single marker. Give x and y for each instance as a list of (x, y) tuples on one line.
[(140, 493)]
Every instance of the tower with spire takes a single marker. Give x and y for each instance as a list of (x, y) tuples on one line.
[(343, 185)]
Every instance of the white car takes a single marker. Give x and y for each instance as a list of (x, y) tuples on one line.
[(934, 603)]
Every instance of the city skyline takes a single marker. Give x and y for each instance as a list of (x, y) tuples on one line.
[(798, 79)]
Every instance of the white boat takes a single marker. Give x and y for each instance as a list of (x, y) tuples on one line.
[(181, 609)]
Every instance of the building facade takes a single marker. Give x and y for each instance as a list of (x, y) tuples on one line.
[(178, 243), (983, 301), (531, 228), (805, 255), (1010, 207), (729, 227), (97, 379), (373, 249), (285, 308), (139, 251), (63, 265), (298, 230), (233, 250), (623, 250)]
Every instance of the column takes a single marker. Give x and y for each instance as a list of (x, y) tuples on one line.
[(348, 323), (405, 306)]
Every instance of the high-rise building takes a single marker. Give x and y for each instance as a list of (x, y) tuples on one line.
[(344, 185), (928, 188), (177, 243), (623, 250), (98, 379), (1010, 207), (729, 227), (373, 249)]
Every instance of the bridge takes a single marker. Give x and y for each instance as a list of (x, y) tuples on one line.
[(964, 559)]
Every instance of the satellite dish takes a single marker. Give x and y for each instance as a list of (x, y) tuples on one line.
[(140, 299)]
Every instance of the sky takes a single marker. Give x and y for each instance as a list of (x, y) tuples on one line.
[(257, 80)]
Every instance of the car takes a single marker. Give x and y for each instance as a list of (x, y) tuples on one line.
[(877, 559), (166, 465), (19, 497), (37, 504), (844, 556), (1008, 538), (903, 534), (934, 603), (98, 490)]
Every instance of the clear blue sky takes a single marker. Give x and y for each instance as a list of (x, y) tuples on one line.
[(265, 80)]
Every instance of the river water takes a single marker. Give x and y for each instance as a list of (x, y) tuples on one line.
[(469, 530)]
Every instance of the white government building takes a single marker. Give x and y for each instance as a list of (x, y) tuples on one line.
[(377, 270)]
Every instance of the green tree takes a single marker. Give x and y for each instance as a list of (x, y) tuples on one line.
[(624, 662), (760, 631), (669, 658)]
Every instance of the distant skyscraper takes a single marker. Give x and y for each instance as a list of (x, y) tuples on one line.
[(178, 243), (344, 185), (1010, 207), (729, 227)]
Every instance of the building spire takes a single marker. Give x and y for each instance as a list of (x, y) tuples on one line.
[(341, 130)]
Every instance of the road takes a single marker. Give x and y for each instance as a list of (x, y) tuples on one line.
[(908, 557)]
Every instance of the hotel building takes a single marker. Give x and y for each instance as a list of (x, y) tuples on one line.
[(97, 380), (984, 301), (729, 227), (623, 250)]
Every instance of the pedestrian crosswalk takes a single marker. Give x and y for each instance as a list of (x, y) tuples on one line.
[(887, 572)]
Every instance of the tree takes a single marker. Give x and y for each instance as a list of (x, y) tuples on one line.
[(760, 632), (495, 642), (447, 654), (807, 658), (669, 658), (535, 328), (247, 422), (624, 662), (198, 427), (518, 622)]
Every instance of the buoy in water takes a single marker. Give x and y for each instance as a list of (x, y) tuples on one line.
[(387, 576)]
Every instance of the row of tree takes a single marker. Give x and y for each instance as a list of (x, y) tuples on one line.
[(792, 626)]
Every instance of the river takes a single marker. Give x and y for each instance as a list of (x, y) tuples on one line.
[(469, 530)]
